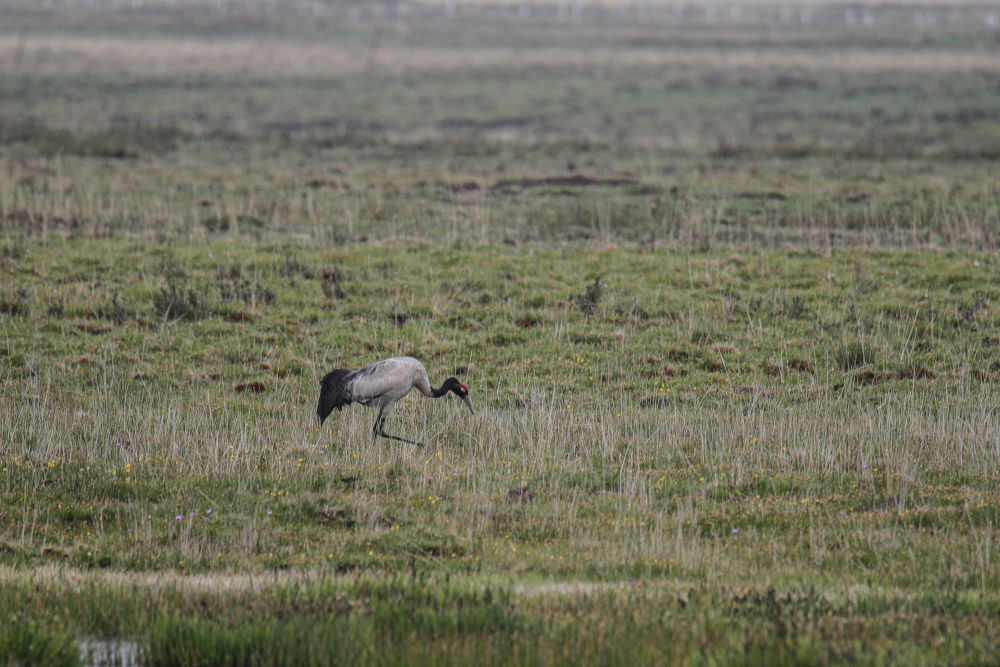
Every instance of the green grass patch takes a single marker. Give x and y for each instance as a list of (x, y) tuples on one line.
[(724, 296), (24, 643)]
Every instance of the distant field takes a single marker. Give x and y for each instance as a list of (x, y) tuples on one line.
[(487, 129), (722, 287)]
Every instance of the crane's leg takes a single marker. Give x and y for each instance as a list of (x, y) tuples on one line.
[(379, 430)]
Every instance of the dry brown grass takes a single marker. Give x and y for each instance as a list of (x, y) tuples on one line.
[(162, 56)]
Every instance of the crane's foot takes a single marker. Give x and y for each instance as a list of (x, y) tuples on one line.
[(378, 431), (396, 437)]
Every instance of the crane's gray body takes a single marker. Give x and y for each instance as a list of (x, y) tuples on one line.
[(381, 384), (385, 382)]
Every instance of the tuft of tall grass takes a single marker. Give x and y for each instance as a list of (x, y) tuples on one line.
[(31, 643)]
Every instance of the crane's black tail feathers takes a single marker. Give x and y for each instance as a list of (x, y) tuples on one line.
[(334, 392)]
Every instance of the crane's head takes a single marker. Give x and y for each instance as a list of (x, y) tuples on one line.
[(460, 390)]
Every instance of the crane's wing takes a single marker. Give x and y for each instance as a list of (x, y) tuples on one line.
[(392, 378)]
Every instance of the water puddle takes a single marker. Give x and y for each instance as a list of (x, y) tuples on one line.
[(110, 652)]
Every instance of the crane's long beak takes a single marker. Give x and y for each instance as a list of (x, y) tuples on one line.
[(469, 403)]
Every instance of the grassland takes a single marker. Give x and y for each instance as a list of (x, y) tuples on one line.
[(723, 295)]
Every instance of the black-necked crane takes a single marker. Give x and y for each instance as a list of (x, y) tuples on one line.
[(382, 384)]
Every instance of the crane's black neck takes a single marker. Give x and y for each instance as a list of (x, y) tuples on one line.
[(451, 384)]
